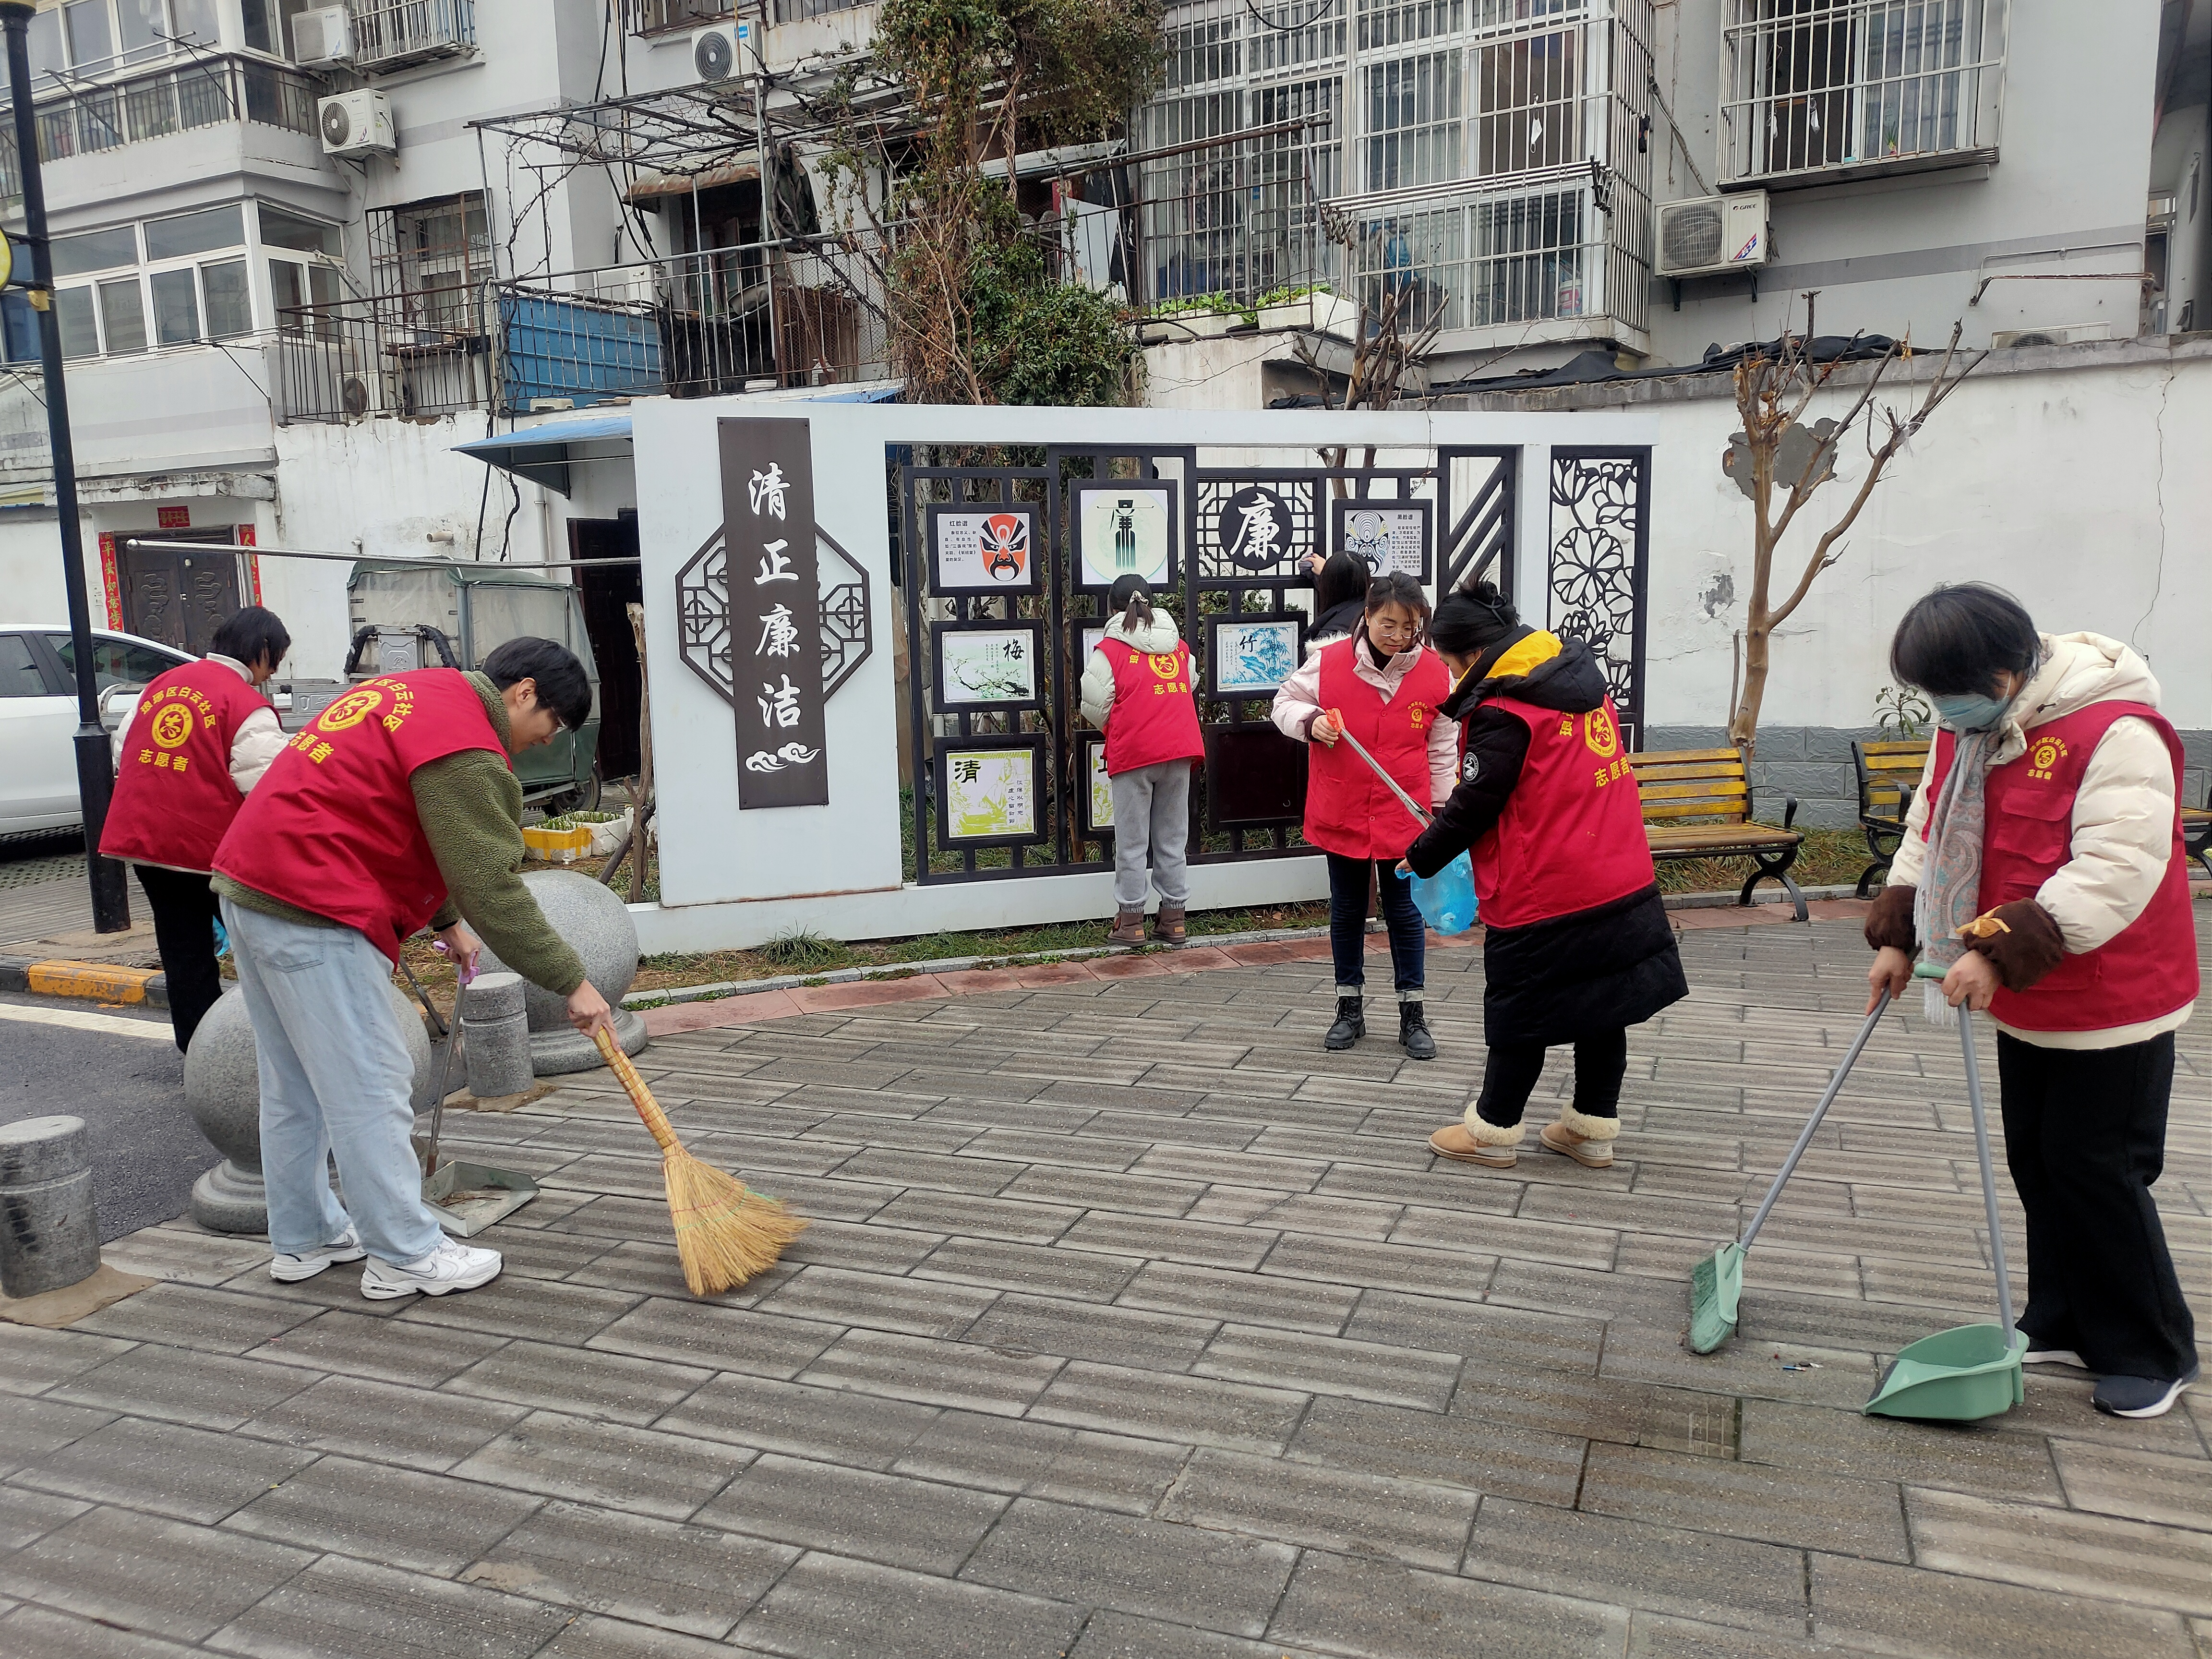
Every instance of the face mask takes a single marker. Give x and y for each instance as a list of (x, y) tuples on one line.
[(1970, 712)]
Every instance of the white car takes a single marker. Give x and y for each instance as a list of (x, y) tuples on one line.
[(38, 715)]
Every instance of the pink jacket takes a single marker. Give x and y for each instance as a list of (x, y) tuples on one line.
[(1297, 702)]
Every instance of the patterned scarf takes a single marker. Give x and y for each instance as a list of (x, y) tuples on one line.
[(1951, 876)]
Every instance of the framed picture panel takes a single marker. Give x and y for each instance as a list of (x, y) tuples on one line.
[(1251, 656), (986, 666), (1127, 529), (1097, 796), (990, 790), (1256, 777), (1388, 535), (1255, 528), (976, 548)]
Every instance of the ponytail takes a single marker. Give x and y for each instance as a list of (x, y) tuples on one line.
[(1133, 600)]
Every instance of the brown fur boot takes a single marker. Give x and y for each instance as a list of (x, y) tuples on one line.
[(1168, 927), (1129, 927)]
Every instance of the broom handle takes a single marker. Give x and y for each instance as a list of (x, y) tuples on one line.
[(1813, 1123), (1344, 735), (1989, 1175), (648, 1108)]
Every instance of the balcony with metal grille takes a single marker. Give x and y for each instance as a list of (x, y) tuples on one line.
[(201, 97), (389, 34), (1814, 91)]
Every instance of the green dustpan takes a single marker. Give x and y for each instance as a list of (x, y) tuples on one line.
[(1717, 1282), (1966, 1374)]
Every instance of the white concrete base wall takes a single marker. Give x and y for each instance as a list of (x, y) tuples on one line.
[(960, 907)]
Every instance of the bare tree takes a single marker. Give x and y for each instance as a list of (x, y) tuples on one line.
[(1778, 450)]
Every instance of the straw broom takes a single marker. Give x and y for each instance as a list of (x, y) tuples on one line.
[(725, 1233)]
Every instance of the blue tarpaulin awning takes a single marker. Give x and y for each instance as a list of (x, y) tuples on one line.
[(544, 452)]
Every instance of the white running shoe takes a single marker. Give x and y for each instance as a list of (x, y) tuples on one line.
[(291, 1269), (451, 1266)]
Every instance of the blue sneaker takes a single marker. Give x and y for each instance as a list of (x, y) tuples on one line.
[(2140, 1396)]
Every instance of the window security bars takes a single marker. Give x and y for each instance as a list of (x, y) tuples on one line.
[(1812, 88), (658, 16), (387, 33)]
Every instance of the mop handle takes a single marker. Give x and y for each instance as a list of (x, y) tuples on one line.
[(648, 1108), (1988, 1175), (1345, 734), (1813, 1124)]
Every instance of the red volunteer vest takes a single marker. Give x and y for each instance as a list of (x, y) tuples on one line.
[(174, 797), (1571, 836), (331, 828), (2148, 969), (1349, 811), (1154, 717)]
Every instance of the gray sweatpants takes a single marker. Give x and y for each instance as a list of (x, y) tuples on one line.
[(1152, 826)]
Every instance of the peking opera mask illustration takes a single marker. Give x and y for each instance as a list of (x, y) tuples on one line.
[(1004, 545)]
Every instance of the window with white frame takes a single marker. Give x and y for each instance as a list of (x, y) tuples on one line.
[(1415, 120), (186, 279), (85, 38), (304, 258), (1810, 86)]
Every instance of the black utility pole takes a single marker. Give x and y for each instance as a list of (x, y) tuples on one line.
[(95, 778)]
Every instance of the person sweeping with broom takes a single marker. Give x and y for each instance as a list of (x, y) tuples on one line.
[(1578, 947), (2042, 869), (396, 807)]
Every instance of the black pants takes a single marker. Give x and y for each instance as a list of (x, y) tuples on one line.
[(183, 907), (2084, 1139), (1347, 922), (1509, 1077)]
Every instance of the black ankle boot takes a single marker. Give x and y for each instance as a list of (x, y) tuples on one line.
[(1351, 1022), (1413, 1031)]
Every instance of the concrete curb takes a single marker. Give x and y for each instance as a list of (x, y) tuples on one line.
[(731, 987), (90, 981)]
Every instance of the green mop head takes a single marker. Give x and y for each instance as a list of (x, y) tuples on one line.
[(1716, 1287)]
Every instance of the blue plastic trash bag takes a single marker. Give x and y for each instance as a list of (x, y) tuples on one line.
[(1446, 900), (221, 941)]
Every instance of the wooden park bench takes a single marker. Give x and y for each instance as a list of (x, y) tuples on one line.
[(1697, 805), (1889, 776), (2196, 832)]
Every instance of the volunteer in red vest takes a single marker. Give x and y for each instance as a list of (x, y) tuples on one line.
[(2042, 865), (394, 808), (1136, 690), (1384, 686), (201, 738), (1576, 946)]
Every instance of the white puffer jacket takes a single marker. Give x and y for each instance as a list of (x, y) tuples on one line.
[(2123, 823), (1157, 638)]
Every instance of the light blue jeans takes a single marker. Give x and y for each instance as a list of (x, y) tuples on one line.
[(336, 1077)]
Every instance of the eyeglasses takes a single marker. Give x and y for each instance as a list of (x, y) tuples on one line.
[(1395, 630)]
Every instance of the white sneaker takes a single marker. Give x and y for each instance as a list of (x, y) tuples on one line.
[(451, 1266), (291, 1269), (2036, 1356)]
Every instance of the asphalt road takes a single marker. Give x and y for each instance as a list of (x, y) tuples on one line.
[(130, 1090)]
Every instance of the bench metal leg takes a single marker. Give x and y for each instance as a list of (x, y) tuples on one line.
[(1865, 889), (1779, 868)]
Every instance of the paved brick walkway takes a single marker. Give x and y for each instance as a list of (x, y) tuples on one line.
[(1133, 1325)]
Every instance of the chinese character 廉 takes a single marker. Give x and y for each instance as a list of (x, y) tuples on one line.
[(778, 635)]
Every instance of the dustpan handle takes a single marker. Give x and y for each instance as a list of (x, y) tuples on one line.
[(1813, 1123), (1989, 1174)]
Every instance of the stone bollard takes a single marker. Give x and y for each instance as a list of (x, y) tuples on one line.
[(497, 1027), (49, 1232), (222, 1091), (596, 926)]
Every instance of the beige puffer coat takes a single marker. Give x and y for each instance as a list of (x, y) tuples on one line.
[(1157, 638), (2122, 826)]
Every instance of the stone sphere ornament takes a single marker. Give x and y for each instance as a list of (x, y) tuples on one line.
[(598, 927), (222, 1091)]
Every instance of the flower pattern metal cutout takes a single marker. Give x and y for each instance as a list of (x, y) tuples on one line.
[(702, 614), (1596, 576)]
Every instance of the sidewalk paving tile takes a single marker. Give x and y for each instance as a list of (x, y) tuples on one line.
[(144, 1573), (857, 1513), (384, 1422), (827, 1607), (1156, 1405), (33, 1428), (345, 1609), (27, 1516), (183, 1385), (1303, 1503), (189, 1474), (800, 1420), (694, 1579), (2045, 1548), (400, 1517), (1189, 1575), (1345, 1604), (1041, 1460), (1872, 1604), (968, 1375), (621, 1468)]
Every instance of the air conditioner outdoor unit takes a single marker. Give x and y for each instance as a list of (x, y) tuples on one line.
[(1712, 233), (718, 53), (356, 123), (323, 35), (2063, 334)]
